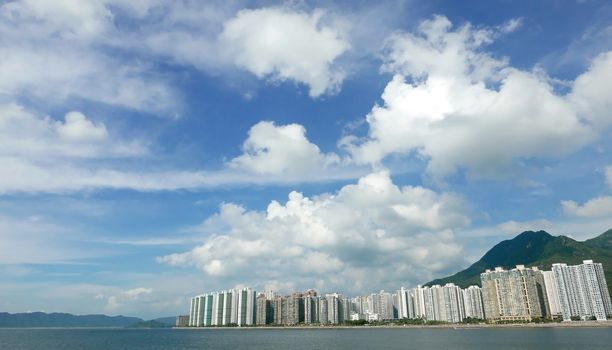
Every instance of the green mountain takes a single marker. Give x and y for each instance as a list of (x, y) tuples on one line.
[(41, 319), (539, 249), (602, 241)]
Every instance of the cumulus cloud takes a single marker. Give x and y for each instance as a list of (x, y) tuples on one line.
[(53, 51), (591, 93), (26, 135), (593, 208), (77, 127), (282, 44), (42, 154), (281, 150), (372, 233), (457, 107)]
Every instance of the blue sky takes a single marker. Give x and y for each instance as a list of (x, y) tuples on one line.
[(153, 150)]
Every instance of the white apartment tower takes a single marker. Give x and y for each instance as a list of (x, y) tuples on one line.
[(582, 291), (552, 292), (472, 301), (404, 304)]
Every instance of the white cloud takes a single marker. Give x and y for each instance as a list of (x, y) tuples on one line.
[(126, 299), (281, 150), (136, 293), (58, 50), (63, 177), (41, 154), (53, 51), (457, 107), (511, 25), (282, 44), (516, 227), (68, 18), (591, 93), (28, 136), (78, 127), (372, 233), (593, 208), (438, 51)]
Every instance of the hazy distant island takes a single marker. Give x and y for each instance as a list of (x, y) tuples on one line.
[(58, 319)]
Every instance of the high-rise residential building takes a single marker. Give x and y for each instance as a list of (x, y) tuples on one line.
[(323, 311), (334, 308), (195, 311), (443, 303), (418, 297), (431, 301), (270, 295), (229, 307), (517, 294), (472, 301), (345, 310), (200, 314), (263, 309), (223, 308), (245, 307), (217, 309), (552, 293), (452, 310), (279, 305), (382, 304), (582, 291), (311, 309), (295, 309), (182, 321), (405, 308)]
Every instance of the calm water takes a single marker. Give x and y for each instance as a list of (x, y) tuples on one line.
[(354, 339)]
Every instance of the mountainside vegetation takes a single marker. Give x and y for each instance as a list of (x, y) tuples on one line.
[(539, 249)]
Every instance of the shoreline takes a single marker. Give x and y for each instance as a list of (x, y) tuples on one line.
[(576, 324)]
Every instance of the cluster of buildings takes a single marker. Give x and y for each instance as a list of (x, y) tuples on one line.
[(447, 303), (229, 307), (520, 294), (576, 292)]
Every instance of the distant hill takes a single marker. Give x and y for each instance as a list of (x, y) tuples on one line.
[(602, 241), (171, 320), (539, 249), (41, 319), (150, 324)]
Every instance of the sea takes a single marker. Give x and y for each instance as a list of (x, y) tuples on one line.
[(302, 339)]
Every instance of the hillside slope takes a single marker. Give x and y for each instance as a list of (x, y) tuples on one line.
[(539, 249)]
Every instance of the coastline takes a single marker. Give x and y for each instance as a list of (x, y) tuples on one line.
[(581, 324)]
